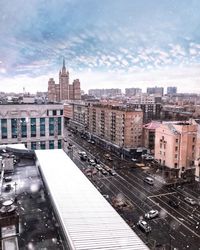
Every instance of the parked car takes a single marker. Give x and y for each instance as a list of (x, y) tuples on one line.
[(190, 201), (92, 162), (98, 166), (174, 203), (149, 180), (112, 172), (104, 172), (8, 187), (134, 160), (83, 157), (151, 214), (144, 226), (7, 178)]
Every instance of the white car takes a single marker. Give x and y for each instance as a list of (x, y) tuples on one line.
[(190, 201), (144, 226), (92, 162), (151, 214)]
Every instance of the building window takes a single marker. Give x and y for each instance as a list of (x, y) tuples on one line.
[(14, 127), (193, 139), (42, 126), (51, 126), (61, 112), (4, 131), (176, 148), (33, 127), (54, 112), (160, 145), (175, 165), (193, 147), (33, 145), (176, 156), (59, 144), (59, 125), (176, 140), (42, 145), (51, 144), (23, 127)]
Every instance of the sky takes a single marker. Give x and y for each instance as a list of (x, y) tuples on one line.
[(106, 44)]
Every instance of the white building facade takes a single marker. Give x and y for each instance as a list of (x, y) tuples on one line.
[(36, 126)]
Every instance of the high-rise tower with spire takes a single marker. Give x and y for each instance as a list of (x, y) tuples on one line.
[(63, 90)]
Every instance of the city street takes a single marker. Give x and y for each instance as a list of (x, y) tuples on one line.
[(174, 228)]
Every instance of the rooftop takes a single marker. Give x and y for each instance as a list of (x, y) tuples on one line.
[(58, 207)]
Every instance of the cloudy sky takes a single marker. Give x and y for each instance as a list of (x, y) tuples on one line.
[(106, 43)]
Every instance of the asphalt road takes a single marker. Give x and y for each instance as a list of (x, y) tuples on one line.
[(174, 228)]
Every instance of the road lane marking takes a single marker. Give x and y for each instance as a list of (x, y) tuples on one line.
[(158, 195), (182, 234), (176, 218)]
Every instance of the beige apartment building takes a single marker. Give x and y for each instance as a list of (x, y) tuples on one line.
[(117, 125), (175, 146)]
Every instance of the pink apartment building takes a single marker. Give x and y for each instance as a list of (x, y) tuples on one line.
[(175, 146)]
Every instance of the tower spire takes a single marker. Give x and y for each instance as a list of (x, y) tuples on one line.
[(64, 63)]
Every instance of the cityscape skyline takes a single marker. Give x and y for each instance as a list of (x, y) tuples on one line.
[(112, 45)]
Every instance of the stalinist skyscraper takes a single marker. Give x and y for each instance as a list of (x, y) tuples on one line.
[(63, 90)]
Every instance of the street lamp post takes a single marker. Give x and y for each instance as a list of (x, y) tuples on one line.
[(15, 184)]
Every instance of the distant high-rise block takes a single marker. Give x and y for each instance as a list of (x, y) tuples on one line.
[(63, 90), (155, 91), (171, 90)]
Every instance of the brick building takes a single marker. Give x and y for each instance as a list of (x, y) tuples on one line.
[(120, 126)]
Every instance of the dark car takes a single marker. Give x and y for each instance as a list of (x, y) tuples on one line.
[(174, 203), (97, 161), (8, 187), (7, 179)]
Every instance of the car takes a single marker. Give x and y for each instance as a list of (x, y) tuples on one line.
[(97, 161), (134, 160), (104, 172), (144, 226), (151, 214), (149, 158), (174, 203), (190, 201), (7, 179), (8, 187), (92, 142), (98, 166), (149, 180), (112, 172), (82, 153), (92, 162), (83, 157)]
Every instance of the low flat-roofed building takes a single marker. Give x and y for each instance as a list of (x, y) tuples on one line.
[(87, 219), (38, 126)]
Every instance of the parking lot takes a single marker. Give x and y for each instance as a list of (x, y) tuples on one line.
[(133, 197)]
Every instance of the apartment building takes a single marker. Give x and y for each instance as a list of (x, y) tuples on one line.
[(120, 126), (104, 92), (132, 91), (37, 126), (149, 135), (75, 113), (155, 91), (175, 146)]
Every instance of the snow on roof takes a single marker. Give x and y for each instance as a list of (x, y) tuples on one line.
[(87, 219), (152, 125)]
